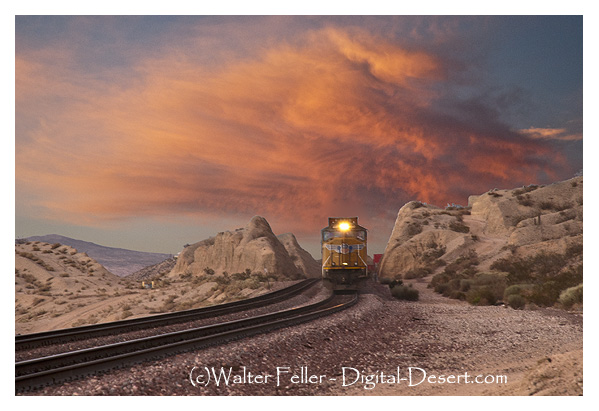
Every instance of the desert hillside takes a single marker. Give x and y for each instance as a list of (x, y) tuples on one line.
[(58, 287), (118, 261), (253, 248), (525, 241)]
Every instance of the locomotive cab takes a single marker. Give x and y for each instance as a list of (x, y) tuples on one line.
[(344, 257)]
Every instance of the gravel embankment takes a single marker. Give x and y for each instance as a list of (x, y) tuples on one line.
[(310, 295), (379, 334)]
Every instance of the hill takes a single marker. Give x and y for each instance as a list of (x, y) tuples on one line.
[(528, 238), (118, 261), (54, 282)]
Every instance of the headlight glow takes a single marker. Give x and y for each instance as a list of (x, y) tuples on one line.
[(344, 226)]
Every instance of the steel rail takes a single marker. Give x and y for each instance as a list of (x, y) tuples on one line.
[(60, 367), (96, 330)]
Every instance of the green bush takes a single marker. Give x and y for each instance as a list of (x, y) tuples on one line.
[(516, 301), (465, 285), (442, 288), (402, 292), (571, 296), (481, 296), (512, 289)]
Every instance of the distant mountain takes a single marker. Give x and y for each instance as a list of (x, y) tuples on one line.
[(118, 261), (153, 271)]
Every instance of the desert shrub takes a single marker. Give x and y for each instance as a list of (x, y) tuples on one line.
[(208, 271), (573, 250), (167, 305), (545, 294), (251, 283), (459, 227), (465, 284), (440, 278), (462, 263), (457, 295), (442, 288), (548, 205), (512, 289), (414, 228), (481, 296), (242, 276), (45, 288), (37, 301), (222, 280), (516, 301), (492, 283), (571, 296), (402, 292), (525, 200), (519, 270), (433, 253), (526, 189), (417, 272)]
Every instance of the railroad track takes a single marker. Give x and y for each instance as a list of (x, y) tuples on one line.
[(61, 367), (26, 341)]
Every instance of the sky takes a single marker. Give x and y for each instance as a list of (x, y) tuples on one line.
[(150, 132)]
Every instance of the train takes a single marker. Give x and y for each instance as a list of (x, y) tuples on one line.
[(344, 253)]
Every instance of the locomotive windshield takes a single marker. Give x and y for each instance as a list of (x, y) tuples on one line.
[(360, 235)]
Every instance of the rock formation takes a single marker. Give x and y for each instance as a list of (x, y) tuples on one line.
[(496, 224), (302, 259), (253, 247)]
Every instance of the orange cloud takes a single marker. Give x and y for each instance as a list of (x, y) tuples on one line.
[(550, 134), (343, 121)]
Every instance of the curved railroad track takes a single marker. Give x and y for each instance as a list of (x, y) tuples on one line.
[(47, 370), (27, 341)]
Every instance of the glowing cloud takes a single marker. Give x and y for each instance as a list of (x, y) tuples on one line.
[(551, 134), (339, 121)]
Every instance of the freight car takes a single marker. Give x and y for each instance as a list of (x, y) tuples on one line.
[(344, 253)]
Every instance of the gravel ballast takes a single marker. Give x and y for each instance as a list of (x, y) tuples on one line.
[(361, 350)]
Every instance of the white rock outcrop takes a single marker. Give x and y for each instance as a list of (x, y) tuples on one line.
[(495, 224), (253, 247)]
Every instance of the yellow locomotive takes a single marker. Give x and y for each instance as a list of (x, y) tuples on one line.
[(344, 259)]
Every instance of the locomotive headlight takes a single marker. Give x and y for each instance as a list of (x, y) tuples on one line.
[(344, 226)]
